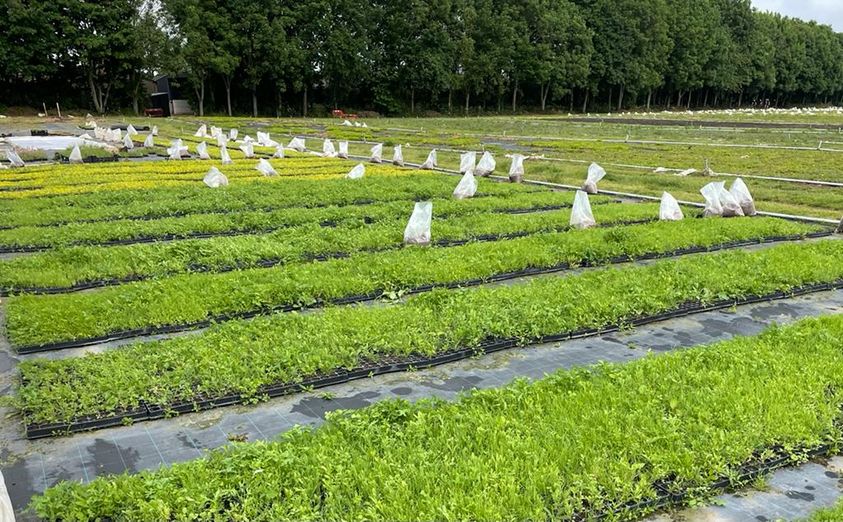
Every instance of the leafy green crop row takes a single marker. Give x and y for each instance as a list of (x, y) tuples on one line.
[(574, 443), (464, 220), (189, 298), (254, 221), (299, 192)]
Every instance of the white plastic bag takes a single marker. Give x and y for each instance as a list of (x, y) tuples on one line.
[(201, 131), (430, 162), (149, 141), (221, 140), (467, 186), (595, 174), (669, 209), (398, 156), (75, 155), (215, 131), (356, 123), (343, 152), (175, 150), (202, 150), (297, 144), (741, 193), (265, 168), (363, 125), (13, 157), (154, 131), (467, 160), (417, 231), (347, 123), (731, 207), (225, 157), (486, 165), (516, 168), (127, 142), (248, 149), (328, 149), (232, 134), (214, 178), (247, 139), (131, 131), (86, 136), (377, 153), (711, 193), (581, 216), (357, 172), (279, 152), (263, 138)]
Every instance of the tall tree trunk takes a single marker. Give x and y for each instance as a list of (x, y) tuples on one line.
[(450, 100), (515, 96), (649, 97), (254, 103), (705, 99), (679, 99), (571, 101), (135, 106), (543, 90), (740, 98), (610, 97), (412, 100), (227, 81), (716, 97), (304, 102), (620, 98), (467, 96), (585, 100), (688, 103), (95, 93), (200, 96)]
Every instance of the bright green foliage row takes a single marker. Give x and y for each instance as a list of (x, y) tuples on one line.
[(298, 192), (572, 443), (464, 220), (831, 514), (189, 298), (242, 356), (256, 221)]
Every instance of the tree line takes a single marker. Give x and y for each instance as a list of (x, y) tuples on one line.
[(458, 56)]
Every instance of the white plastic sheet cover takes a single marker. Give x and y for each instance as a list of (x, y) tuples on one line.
[(343, 152), (263, 138), (516, 168), (711, 193), (265, 168), (131, 131), (467, 186), (486, 165), (75, 155), (202, 150), (279, 152), (297, 144), (127, 142), (215, 131), (398, 156), (99, 133), (347, 123), (14, 159), (356, 123), (221, 140), (225, 157), (363, 125), (248, 149), (595, 174), (248, 139), (174, 151), (731, 207), (154, 131), (741, 193), (328, 149), (201, 131), (669, 209), (149, 141), (417, 231), (232, 134), (467, 161), (430, 162), (376, 153), (214, 178), (581, 216), (357, 172)]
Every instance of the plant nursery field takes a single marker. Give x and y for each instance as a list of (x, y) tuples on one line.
[(184, 310)]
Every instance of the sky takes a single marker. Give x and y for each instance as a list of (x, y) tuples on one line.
[(829, 12)]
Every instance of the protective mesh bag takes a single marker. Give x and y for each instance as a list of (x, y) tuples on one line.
[(15, 160), (297, 144), (174, 151), (75, 155), (467, 186), (127, 142), (328, 149), (357, 172), (486, 165), (595, 174), (343, 152), (131, 131), (201, 131), (232, 134), (731, 207), (669, 209), (202, 150), (154, 131), (516, 168), (398, 156), (265, 168), (279, 152), (740, 192), (214, 178), (430, 162), (581, 216), (149, 141), (225, 157), (248, 149), (221, 140), (467, 161), (263, 138), (417, 231), (347, 123), (376, 153), (711, 193), (215, 131)]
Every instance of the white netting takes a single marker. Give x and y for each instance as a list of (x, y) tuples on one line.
[(202, 150), (248, 149), (201, 131), (149, 141), (357, 172), (127, 142), (467, 186), (486, 165), (595, 174), (347, 123), (131, 131), (297, 144), (731, 207), (516, 168), (14, 159), (417, 231), (376, 153), (398, 156), (221, 140), (741, 194), (265, 168), (214, 178), (669, 209), (75, 155), (328, 149), (343, 152), (232, 134), (154, 130), (225, 157), (430, 162), (467, 161), (581, 216), (279, 152), (174, 151)]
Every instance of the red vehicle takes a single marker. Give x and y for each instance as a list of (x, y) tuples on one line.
[(338, 113)]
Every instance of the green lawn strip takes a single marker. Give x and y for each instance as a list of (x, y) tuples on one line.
[(187, 299), (298, 192), (829, 514), (306, 238), (576, 442), (256, 221)]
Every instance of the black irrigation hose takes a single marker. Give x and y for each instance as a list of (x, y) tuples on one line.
[(173, 328), (393, 364), (270, 263)]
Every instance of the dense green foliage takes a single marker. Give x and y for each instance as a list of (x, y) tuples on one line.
[(576, 442), (276, 57), (190, 298)]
